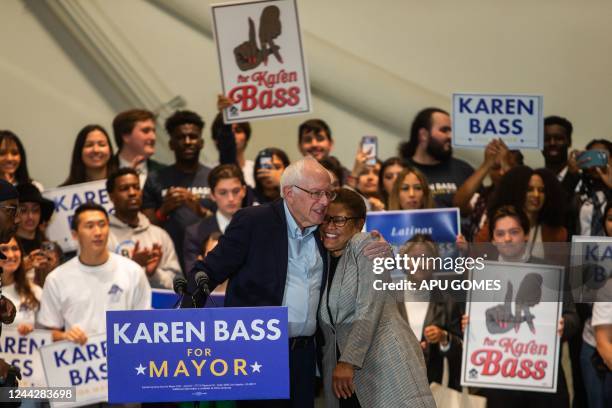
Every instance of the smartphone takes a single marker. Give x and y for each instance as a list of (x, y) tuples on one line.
[(265, 159), (370, 144), (47, 246), (592, 158)]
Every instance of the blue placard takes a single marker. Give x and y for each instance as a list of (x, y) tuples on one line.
[(516, 119), (399, 226), (198, 354)]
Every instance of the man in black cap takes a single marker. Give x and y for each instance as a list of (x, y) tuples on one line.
[(9, 209)]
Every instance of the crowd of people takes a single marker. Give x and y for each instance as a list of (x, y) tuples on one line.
[(289, 234)]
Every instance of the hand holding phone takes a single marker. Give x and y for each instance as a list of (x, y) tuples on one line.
[(369, 146), (592, 158), (265, 159)]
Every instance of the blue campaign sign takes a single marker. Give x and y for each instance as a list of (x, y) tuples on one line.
[(197, 354), (399, 226), (67, 200), (516, 119)]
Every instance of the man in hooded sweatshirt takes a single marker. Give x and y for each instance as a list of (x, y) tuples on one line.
[(132, 234)]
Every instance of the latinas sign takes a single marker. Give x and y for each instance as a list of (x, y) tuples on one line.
[(261, 60)]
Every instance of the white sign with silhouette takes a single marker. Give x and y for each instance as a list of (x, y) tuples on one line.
[(512, 340), (259, 47)]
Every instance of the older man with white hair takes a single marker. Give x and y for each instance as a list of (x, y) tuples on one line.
[(273, 256)]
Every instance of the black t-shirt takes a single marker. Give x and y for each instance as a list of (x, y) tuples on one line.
[(29, 245), (157, 185), (445, 178)]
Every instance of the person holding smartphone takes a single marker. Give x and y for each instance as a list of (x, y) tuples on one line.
[(364, 178), (52, 256), (595, 189), (35, 212), (269, 166)]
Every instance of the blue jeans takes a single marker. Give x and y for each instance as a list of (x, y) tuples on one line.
[(594, 384)]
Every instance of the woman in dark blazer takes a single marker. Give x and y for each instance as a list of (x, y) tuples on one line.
[(370, 358)]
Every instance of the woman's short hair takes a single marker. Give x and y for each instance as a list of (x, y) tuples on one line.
[(352, 201), (21, 174), (394, 201)]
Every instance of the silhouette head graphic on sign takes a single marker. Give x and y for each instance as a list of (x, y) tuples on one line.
[(500, 319), (248, 54)]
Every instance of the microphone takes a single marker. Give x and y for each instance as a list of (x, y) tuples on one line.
[(180, 288), (201, 280)]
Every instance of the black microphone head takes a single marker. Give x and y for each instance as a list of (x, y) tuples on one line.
[(201, 279), (180, 285)]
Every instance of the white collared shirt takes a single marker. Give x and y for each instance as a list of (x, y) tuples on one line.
[(222, 220)]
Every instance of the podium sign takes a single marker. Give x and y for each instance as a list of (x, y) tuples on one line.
[(198, 354)]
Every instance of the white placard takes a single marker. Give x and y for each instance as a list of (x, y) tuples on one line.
[(68, 364), (22, 352), (67, 200), (261, 60), (516, 119), (508, 346)]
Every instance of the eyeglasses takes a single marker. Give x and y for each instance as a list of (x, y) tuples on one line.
[(32, 210), (13, 211), (339, 221), (317, 195)]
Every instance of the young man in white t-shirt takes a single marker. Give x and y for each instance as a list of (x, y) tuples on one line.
[(78, 293)]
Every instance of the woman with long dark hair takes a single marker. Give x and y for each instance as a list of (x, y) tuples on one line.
[(540, 196), (13, 161), (24, 294), (90, 156)]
